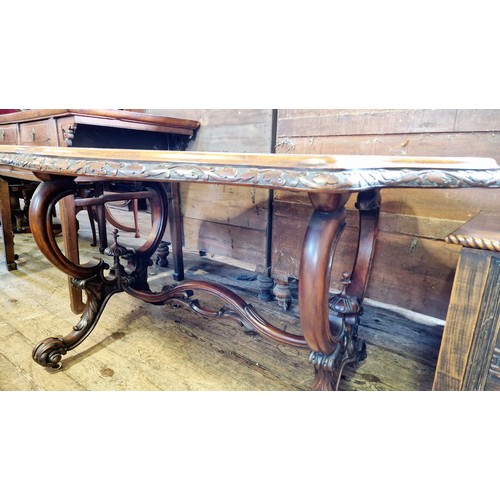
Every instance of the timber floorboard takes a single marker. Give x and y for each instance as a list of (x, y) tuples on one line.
[(141, 347)]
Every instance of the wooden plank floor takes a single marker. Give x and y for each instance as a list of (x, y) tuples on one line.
[(140, 347)]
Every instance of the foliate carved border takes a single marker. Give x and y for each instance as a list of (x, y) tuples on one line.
[(301, 177)]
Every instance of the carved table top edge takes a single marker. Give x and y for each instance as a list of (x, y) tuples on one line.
[(327, 173)]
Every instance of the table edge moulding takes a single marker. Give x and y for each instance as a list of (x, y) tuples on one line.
[(329, 322)]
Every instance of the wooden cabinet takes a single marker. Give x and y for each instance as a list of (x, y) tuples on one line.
[(95, 128), (83, 128)]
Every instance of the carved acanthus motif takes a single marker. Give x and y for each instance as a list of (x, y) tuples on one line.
[(69, 134), (349, 348), (298, 177), (343, 304), (329, 367)]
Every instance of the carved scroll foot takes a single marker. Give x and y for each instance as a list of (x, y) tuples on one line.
[(99, 289), (327, 375), (349, 348), (329, 367), (91, 278), (49, 352)]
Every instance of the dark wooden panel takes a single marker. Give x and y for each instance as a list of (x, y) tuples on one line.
[(475, 120), (228, 130), (345, 122), (212, 117), (425, 227)]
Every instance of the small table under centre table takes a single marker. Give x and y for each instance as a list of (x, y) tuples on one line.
[(329, 322)]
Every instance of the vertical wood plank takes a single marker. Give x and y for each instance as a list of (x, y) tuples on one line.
[(486, 331), (461, 321)]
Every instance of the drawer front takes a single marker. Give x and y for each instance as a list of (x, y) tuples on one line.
[(8, 134), (38, 133)]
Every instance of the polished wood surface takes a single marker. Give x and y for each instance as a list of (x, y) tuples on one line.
[(177, 125), (329, 324), (308, 173)]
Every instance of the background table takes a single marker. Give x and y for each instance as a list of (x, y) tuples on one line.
[(86, 128)]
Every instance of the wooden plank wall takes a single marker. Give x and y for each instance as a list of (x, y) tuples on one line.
[(225, 220), (413, 267)]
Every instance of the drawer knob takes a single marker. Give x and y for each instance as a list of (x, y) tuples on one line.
[(3, 135), (33, 134)]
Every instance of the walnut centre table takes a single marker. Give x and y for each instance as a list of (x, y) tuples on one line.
[(329, 323)]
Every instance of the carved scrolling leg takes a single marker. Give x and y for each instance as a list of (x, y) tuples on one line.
[(330, 325), (89, 278), (49, 352)]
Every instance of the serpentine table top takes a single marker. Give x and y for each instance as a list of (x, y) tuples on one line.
[(329, 322), (304, 172)]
